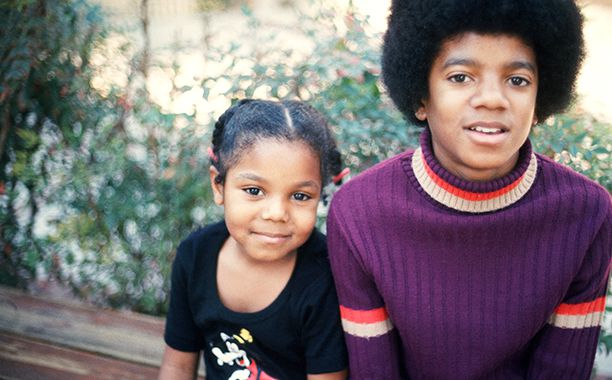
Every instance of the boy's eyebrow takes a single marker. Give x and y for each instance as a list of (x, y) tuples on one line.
[(470, 62), (459, 62), (523, 65)]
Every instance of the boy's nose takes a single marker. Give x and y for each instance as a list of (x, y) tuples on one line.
[(275, 210), (490, 94)]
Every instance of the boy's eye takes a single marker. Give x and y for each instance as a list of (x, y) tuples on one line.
[(301, 197), (253, 191), (459, 78), (519, 81)]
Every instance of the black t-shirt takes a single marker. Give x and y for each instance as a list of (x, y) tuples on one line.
[(299, 333)]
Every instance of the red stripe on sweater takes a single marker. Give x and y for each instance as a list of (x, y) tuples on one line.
[(363, 316), (599, 305), (466, 194)]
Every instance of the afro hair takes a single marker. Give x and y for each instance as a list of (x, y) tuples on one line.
[(418, 28)]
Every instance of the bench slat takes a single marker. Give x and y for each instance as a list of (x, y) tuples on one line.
[(123, 335), (22, 358)]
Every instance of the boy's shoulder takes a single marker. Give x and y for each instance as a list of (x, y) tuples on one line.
[(387, 167), (376, 179), (568, 180)]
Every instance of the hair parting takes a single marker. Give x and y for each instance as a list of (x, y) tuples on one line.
[(250, 120)]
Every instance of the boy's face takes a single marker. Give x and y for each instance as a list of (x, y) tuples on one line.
[(481, 104)]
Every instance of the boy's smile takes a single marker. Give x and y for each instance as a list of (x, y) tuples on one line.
[(481, 104)]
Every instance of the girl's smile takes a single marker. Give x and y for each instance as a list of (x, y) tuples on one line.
[(271, 238)]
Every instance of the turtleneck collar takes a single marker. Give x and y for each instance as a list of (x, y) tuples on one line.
[(467, 196)]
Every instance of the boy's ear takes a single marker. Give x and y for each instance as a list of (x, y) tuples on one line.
[(217, 188), (421, 112)]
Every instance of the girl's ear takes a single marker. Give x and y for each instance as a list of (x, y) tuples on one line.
[(217, 188)]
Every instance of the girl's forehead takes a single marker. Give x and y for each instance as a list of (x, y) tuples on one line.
[(266, 143), (277, 149), (282, 160)]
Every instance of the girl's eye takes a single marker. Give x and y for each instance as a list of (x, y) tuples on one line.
[(459, 78), (301, 197), (253, 191), (519, 81)]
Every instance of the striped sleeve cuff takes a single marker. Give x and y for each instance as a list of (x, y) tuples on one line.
[(579, 316), (365, 323)]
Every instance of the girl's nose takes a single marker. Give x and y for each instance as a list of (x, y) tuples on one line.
[(490, 93), (275, 210)]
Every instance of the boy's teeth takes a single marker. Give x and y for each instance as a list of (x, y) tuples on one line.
[(485, 130)]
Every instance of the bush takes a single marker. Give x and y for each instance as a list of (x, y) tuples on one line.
[(140, 189), (128, 180), (585, 144), (137, 182), (45, 103), (579, 141)]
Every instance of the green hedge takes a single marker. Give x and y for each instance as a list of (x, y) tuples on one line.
[(120, 182)]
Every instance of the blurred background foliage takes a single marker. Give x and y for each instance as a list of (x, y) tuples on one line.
[(99, 183)]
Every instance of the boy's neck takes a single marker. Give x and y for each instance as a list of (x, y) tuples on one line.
[(468, 196), (476, 175), (480, 172)]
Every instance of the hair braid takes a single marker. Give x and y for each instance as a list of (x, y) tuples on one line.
[(218, 137), (249, 121), (335, 162)]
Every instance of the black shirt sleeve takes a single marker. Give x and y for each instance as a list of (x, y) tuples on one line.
[(181, 331), (320, 331), (322, 335)]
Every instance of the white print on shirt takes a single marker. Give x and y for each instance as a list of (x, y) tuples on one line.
[(235, 356)]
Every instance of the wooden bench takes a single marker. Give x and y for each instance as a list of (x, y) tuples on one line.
[(50, 339)]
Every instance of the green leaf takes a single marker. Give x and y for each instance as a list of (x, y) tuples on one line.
[(29, 138), (31, 259)]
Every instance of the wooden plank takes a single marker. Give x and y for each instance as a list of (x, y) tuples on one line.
[(123, 335), (22, 358)]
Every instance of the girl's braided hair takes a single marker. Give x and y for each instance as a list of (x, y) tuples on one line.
[(418, 28), (250, 120)]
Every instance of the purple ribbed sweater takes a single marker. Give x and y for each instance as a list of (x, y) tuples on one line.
[(439, 278)]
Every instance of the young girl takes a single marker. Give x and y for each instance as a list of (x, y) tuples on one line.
[(254, 292), (473, 257)]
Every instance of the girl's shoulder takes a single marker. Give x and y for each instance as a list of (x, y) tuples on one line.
[(313, 262), (315, 244), (314, 251), (203, 240)]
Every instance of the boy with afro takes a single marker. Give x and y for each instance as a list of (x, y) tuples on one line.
[(474, 257)]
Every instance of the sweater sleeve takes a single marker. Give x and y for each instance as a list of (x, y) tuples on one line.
[(565, 348), (372, 342)]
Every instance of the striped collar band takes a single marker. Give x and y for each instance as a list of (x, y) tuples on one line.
[(473, 197)]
